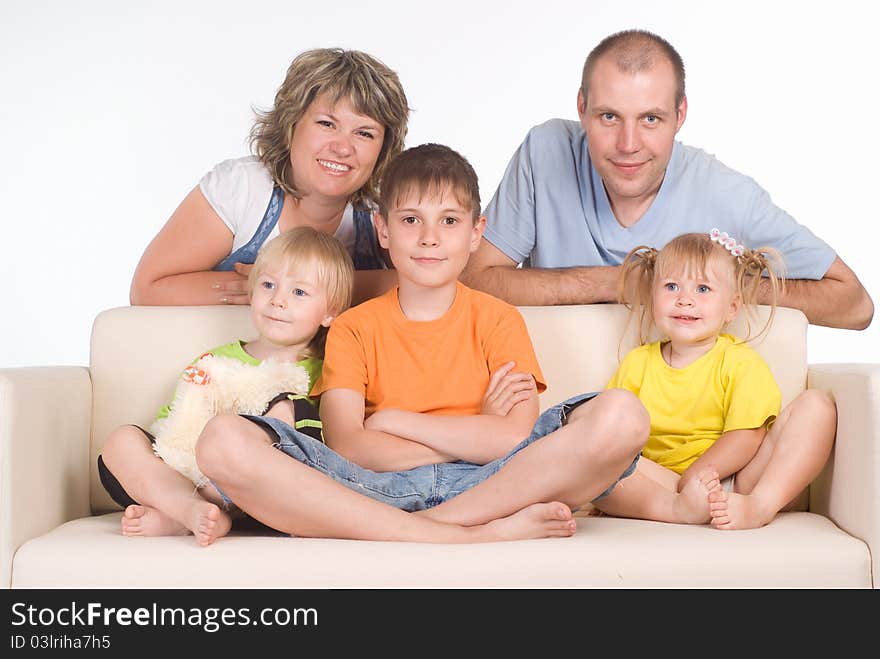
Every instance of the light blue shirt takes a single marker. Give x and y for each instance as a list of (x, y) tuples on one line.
[(551, 209)]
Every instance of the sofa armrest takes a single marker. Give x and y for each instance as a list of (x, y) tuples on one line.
[(45, 419), (848, 489)]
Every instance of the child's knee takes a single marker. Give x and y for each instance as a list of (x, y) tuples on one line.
[(819, 405), (623, 417), (121, 441), (220, 444), (616, 426)]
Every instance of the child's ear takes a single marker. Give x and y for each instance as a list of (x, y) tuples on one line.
[(735, 306), (381, 228), (327, 320), (477, 235)]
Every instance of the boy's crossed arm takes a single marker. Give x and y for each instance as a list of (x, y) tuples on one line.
[(342, 417), (393, 439)]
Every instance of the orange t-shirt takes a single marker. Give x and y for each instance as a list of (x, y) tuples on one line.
[(440, 366)]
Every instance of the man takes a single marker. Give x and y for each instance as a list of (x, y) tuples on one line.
[(577, 196)]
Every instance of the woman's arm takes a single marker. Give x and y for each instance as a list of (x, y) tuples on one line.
[(175, 269)]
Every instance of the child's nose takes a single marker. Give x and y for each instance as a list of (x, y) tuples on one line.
[(428, 236)]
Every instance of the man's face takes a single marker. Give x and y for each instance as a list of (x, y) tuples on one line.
[(631, 120)]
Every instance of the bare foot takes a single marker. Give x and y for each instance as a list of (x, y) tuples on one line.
[(146, 521), (540, 520), (207, 522), (692, 503), (732, 511)]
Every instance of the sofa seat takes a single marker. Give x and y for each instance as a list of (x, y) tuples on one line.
[(795, 549)]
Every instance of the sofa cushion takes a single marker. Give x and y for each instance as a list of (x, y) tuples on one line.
[(795, 550)]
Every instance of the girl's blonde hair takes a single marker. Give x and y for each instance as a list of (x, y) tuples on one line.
[(693, 251), (319, 251), (372, 88)]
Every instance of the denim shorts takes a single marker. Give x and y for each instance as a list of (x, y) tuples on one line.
[(414, 489)]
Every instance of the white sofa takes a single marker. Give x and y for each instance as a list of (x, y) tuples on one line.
[(61, 530)]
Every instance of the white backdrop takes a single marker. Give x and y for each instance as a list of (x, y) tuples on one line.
[(110, 112)]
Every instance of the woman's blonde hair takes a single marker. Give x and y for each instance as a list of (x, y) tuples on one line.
[(372, 88), (692, 252), (320, 251)]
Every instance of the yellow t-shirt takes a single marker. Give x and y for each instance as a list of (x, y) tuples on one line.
[(729, 388), (440, 366)]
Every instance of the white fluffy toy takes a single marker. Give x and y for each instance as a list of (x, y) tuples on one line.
[(219, 385)]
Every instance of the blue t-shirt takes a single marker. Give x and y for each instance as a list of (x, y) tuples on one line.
[(551, 209)]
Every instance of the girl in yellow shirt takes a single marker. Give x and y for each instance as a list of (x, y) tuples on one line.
[(713, 402)]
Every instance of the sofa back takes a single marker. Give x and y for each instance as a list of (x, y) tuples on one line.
[(138, 353)]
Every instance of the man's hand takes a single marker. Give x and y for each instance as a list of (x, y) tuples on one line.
[(506, 389)]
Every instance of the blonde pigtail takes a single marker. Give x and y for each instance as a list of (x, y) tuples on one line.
[(634, 290), (751, 266)]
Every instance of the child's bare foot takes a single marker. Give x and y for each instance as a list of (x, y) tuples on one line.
[(737, 511), (540, 520), (146, 521), (208, 522), (692, 503)]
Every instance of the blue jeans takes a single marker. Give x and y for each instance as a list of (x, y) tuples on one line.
[(418, 488)]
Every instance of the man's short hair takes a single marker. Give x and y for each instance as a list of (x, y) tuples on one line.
[(634, 51), (429, 169)]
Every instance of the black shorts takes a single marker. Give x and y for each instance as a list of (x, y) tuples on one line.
[(307, 421), (112, 485)]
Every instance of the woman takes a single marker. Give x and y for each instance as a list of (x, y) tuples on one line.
[(338, 118)]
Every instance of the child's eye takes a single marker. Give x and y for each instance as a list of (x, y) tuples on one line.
[(299, 292), (450, 221), (670, 286), (702, 288), (268, 285), (409, 219)]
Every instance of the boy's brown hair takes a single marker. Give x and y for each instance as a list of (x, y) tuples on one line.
[(429, 169)]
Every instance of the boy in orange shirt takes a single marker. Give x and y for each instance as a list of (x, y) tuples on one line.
[(421, 408)]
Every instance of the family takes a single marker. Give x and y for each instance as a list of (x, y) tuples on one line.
[(377, 269)]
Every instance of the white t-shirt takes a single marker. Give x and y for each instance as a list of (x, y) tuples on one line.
[(239, 191)]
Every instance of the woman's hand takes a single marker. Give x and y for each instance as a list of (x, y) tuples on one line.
[(235, 291), (506, 389)]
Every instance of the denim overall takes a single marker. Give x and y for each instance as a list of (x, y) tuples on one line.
[(366, 254)]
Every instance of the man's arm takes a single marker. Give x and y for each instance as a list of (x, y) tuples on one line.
[(491, 270), (342, 415), (836, 300)]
